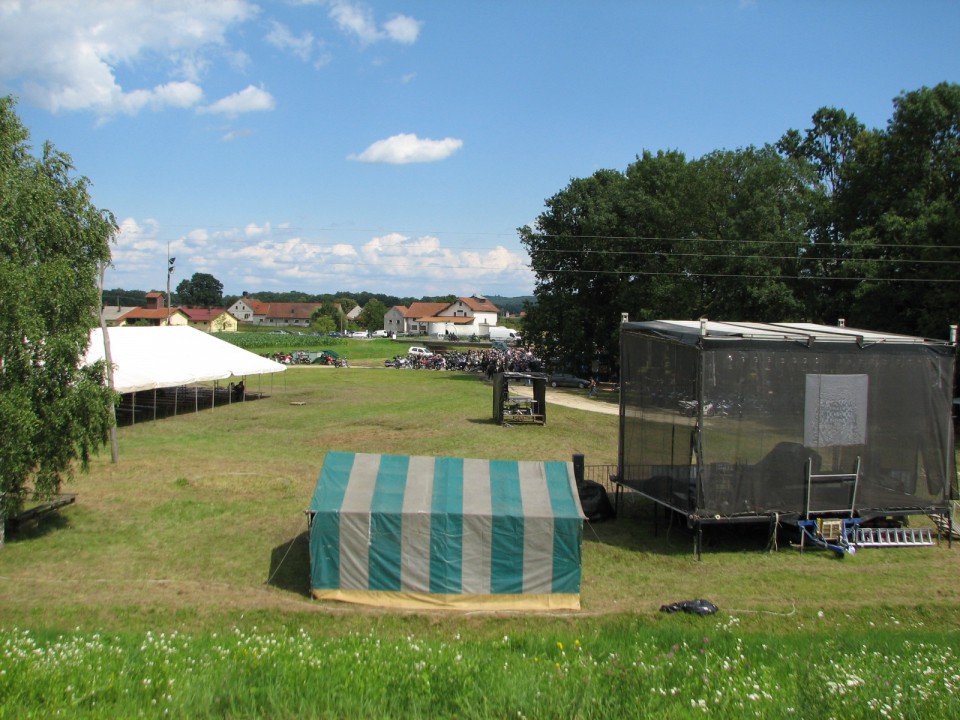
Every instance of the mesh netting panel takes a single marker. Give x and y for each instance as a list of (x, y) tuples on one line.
[(773, 411)]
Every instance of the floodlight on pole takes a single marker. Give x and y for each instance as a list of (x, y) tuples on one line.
[(170, 268)]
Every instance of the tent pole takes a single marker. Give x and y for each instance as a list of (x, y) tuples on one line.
[(154, 404), (114, 447)]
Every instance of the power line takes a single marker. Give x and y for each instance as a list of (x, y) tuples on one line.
[(746, 276), (698, 239), (793, 258)]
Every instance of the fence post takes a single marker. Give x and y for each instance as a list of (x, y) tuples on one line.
[(578, 468)]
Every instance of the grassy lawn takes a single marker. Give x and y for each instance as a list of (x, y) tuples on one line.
[(197, 536)]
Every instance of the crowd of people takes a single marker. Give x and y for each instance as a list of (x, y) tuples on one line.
[(487, 361)]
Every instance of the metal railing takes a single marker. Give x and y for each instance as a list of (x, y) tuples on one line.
[(601, 474)]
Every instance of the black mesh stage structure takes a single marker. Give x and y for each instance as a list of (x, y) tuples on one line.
[(734, 422)]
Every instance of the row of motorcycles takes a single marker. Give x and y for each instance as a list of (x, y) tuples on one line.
[(719, 408), (453, 361), (302, 358), (299, 358), (433, 362)]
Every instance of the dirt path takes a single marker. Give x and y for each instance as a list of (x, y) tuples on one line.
[(607, 402)]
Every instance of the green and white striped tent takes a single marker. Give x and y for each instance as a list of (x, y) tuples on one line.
[(416, 532)]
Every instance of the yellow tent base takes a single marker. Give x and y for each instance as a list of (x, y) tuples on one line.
[(434, 601)]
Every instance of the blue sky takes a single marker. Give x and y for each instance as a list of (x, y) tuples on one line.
[(396, 146)]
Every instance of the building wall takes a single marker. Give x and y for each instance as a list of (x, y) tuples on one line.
[(393, 321), (241, 311)]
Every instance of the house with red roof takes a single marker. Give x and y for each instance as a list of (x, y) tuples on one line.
[(465, 316), (211, 320), (155, 313), (273, 314)]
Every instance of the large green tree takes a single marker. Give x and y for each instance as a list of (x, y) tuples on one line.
[(53, 242), (372, 316), (902, 202), (720, 236), (829, 146), (202, 290)]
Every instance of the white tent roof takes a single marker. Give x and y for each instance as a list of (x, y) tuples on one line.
[(145, 358)]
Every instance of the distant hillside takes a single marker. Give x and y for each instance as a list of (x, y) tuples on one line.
[(512, 305)]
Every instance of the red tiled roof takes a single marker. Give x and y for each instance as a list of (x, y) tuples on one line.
[(283, 310), (424, 309), (202, 314), (150, 313), (453, 319), (479, 304)]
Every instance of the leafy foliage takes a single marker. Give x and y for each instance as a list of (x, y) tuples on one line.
[(52, 245), (718, 236), (372, 316), (202, 290), (839, 221)]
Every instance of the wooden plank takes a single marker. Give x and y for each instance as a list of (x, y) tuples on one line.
[(43, 508)]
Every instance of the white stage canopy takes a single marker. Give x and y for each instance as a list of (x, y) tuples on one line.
[(146, 358)]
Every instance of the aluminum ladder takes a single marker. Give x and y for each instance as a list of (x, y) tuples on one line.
[(810, 529), (892, 537)]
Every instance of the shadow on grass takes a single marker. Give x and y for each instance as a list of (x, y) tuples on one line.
[(33, 529), (459, 376), (643, 526), (290, 565)]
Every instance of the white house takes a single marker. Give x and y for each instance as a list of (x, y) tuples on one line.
[(242, 310), (276, 314), (464, 317)]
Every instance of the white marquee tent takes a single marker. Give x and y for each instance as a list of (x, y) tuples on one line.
[(149, 358)]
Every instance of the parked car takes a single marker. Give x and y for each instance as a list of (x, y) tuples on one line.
[(359, 334), (379, 333), (418, 351), (566, 380)]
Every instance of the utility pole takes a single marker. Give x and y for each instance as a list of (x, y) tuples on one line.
[(170, 266), (114, 447)]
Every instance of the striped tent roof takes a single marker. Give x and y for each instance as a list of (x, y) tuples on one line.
[(454, 533)]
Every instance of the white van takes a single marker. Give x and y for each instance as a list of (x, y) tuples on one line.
[(379, 334), (418, 351), (502, 333)]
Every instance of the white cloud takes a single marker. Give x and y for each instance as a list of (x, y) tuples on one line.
[(355, 18), (177, 94), (198, 236), (253, 230), (281, 37), (64, 56), (262, 256), (408, 148), (403, 29), (237, 134), (342, 250), (250, 99), (398, 256)]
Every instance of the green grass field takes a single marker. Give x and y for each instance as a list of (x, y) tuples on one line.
[(177, 584)]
